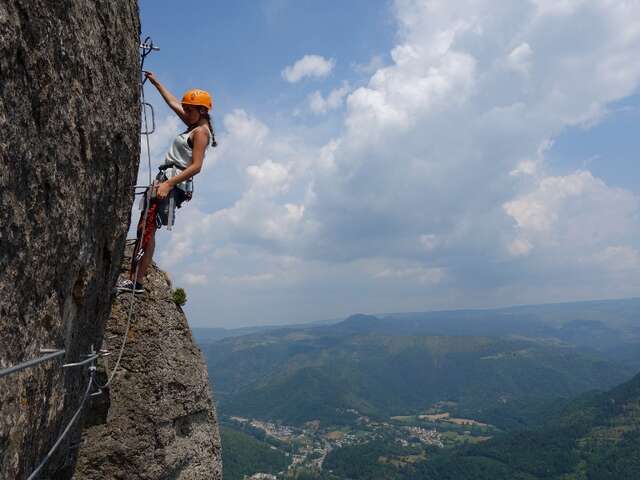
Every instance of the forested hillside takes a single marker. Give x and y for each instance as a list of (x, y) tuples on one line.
[(298, 375), (596, 437), (465, 395)]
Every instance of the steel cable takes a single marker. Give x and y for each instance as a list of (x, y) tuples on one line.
[(31, 363), (87, 393)]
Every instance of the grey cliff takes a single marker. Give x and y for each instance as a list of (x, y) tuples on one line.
[(69, 150), (157, 420)]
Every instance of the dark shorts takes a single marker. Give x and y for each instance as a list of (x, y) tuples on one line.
[(165, 207), (164, 214)]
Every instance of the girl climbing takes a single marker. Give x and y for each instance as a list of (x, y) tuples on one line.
[(173, 185)]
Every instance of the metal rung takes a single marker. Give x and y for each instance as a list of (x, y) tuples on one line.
[(153, 120), (90, 358)]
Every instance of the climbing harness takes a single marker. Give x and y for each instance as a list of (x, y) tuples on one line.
[(168, 205), (90, 359)]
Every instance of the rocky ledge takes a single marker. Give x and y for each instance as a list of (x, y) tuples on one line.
[(157, 420)]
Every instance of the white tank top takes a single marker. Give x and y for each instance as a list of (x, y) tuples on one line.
[(180, 156)]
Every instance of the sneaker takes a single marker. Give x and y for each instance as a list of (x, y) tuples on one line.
[(129, 286)]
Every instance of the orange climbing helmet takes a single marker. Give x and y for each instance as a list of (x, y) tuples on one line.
[(198, 97)]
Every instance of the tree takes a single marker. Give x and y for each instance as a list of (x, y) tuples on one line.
[(179, 296)]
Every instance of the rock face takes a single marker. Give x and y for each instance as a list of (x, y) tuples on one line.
[(157, 419), (69, 150)]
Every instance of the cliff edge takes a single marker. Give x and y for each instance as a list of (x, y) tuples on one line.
[(157, 420)]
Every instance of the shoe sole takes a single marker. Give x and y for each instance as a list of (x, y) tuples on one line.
[(125, 290)]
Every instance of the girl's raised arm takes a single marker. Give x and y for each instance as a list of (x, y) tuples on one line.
[(171, 100)]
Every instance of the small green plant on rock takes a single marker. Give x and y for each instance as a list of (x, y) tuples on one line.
[(179, 296)]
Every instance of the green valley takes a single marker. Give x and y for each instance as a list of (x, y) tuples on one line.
[(300, 375), (597, 436), (464, 395)]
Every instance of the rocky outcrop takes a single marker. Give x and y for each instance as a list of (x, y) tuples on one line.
[(157, 419), (69, 150)]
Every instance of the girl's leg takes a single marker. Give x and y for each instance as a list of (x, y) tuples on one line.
[(145, 215), (145, 261), (136, 248)]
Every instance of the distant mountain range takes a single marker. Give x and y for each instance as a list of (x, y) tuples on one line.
[(609, 326), (212, 334), (398, 363)]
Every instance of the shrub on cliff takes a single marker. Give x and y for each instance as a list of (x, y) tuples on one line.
[(179, 296)]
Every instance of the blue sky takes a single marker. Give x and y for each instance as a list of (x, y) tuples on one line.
[(610, 149), (238, 49), (402, 155)]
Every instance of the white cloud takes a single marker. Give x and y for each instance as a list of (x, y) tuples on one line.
[(193, 279), (416, 86), (320, 105), (532, 166), (239, 125), (326, 156), (374, 64), (519, 246), (619, 257), (438, 174), (429, 241), (576, 212), (259, 278), (419, 273), (519, 59), (557, 7), (268, 178), (308, 66)]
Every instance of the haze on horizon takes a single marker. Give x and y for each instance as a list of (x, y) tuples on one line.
[(407, 155)]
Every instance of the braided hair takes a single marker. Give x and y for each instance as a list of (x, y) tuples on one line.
[(213, 137)]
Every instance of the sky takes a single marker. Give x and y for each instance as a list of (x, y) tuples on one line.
[(401, 155)]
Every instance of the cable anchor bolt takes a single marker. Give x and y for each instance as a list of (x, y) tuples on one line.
[(147, 46)]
